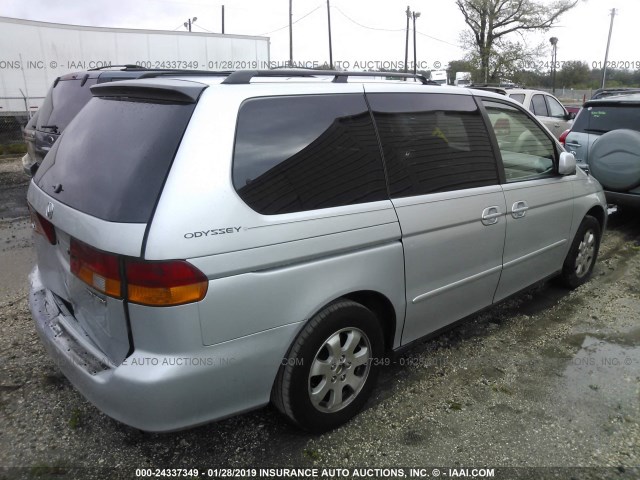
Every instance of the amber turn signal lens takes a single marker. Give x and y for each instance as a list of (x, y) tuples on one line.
[(166, 283)]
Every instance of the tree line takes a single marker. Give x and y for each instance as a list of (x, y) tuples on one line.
[(574, 74)]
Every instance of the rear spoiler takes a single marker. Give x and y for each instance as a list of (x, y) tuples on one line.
[(168, 91)]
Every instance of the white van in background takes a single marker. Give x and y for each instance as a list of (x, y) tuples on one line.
[(439, 76), (463, 79)]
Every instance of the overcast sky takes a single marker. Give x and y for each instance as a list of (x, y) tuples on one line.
[(362, 29)]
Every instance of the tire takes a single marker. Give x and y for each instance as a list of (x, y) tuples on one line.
[(582, 255), (341, 344), (614, 160)]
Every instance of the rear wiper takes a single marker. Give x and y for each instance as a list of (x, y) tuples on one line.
[(595, 130), (52, 127)]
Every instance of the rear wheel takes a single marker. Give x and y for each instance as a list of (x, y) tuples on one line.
[(331, 368), (582, 255)]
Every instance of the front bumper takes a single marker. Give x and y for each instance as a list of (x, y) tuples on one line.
[(159, 392)]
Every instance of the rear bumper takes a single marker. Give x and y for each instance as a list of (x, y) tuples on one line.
[(156, 392), (623, 199)]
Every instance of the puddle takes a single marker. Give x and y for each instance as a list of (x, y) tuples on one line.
[(602, 371)]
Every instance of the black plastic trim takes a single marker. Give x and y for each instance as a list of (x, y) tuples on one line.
[(171, 90)]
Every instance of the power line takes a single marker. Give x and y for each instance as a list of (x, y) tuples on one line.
[(389, 29), (364, 26), (201, 27), (437, 39), (287, 25)]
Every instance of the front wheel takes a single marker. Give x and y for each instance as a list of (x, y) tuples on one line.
[(582, 255), (331, 368)]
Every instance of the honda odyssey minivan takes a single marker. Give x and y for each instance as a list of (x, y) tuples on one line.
[(209, 244)]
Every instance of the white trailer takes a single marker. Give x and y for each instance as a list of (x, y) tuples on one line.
[(34, 54), (439, 76)]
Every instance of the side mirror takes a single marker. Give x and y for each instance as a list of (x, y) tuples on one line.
[(567, 164), (570, 116)]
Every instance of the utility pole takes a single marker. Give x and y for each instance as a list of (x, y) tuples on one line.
[(415, 60), (223, 19), (330, 48), (554, 58), (189, 22), (606, 55), (290, 33), (406, 46)]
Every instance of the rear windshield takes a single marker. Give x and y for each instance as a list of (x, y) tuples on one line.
[(113, 159), (604, 118), (63, 102)]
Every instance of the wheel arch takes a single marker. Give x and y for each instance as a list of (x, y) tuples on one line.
[(382, 308), (600, 215)]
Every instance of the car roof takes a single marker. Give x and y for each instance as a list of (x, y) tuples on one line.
[(525, 91), (317, 83), (615, 99)]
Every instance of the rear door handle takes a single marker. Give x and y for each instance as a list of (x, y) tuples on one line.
[(519, 209), (491, 215)]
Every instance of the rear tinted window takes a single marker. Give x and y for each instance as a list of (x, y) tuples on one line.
[(113, 159), (307, 152), (433, 142), (63, 102), (601, 119)]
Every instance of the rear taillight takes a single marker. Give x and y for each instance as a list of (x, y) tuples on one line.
[(43, 226), (173, 282), (163, 283), (99, 269), (563, 137)]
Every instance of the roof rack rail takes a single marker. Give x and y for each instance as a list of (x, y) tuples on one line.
[(240, 77), (207, 73), (126, 66)]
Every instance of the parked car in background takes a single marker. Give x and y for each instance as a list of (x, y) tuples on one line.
[(66, 97), (185, 276), (543, 105), (611, 92), (572, 109), (605, 139)]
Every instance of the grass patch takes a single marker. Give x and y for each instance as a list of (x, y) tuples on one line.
[(46, 470), (502, 389), (76, 419), (312, 454), (13, 148)]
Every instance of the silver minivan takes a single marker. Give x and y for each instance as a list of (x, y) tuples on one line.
[(209, 244)]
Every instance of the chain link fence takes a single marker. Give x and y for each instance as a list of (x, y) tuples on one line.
[(13, 117), (11, 140), (569, 95)]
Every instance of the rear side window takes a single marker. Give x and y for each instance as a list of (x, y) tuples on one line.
[(63, 102), (113, 159), (539, 106), (433, 142), (518, 97), (306, 152), (604, 118)]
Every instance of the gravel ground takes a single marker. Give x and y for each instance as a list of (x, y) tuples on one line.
[(548, 382)]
